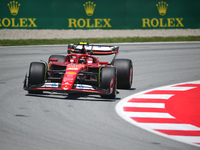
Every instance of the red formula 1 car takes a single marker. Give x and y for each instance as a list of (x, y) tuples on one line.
[(81, 72)]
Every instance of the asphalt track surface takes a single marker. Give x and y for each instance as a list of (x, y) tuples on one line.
[(66, 122)]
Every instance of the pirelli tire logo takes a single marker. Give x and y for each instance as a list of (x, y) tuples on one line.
[(89, 8), (14, 22), (162, 22)]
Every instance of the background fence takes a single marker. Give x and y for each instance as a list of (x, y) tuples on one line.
[(99, 14)]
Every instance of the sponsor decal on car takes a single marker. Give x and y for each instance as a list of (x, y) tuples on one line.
[(51, 85), (72, 68), (71, 73), (84, 87)]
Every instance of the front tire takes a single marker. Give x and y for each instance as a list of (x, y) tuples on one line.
[(108, 74), (37, 75)]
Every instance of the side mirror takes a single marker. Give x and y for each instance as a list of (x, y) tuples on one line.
[(52, 59)]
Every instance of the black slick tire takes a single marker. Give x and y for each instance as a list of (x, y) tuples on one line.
[(107, 74), (124, 73), (36, 76)]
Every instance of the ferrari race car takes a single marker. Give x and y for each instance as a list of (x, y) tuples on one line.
[(80, 72)]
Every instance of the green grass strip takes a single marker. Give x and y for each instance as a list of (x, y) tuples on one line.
[(96, 40)]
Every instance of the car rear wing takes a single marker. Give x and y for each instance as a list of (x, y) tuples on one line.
[(93, 49)]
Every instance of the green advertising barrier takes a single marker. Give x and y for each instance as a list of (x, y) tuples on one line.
[(99, 14)]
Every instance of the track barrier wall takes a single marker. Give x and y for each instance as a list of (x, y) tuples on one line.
[(99, 14)]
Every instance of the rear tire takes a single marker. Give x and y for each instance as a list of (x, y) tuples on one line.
[(124, 73), (37, 75), (107, 74)]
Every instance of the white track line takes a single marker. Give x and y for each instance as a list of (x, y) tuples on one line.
[(155, 96), (170, 126), (171, 88), (145, 105), (148, 115)]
